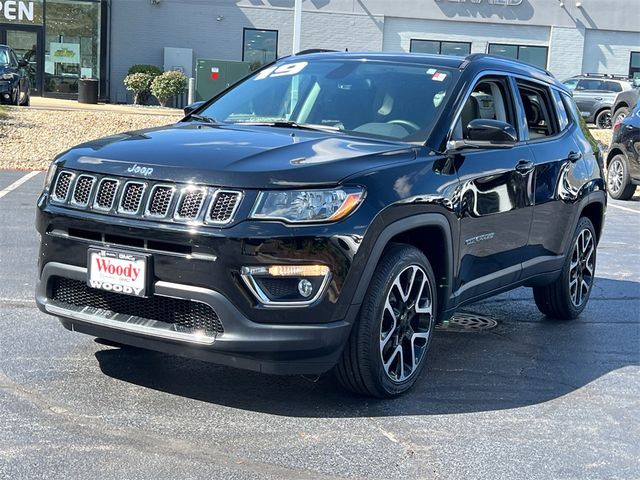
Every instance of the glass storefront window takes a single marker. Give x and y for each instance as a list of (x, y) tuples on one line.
[(72, 44), (259, 47), (525, 53), (435, 47)]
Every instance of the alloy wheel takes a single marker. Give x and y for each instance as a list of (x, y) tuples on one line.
[(407, 323), (582, 267), (604, 121), (615, 176)]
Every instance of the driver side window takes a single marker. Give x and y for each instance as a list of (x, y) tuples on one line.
[(488, 100)]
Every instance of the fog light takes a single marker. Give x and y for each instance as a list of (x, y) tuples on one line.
[(305, 288)]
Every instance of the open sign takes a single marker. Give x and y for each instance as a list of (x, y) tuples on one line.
[(17, 10)]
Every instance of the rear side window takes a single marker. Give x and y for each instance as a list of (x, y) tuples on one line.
[(563, 116), (590, 84), (613, 86), (538, 109)]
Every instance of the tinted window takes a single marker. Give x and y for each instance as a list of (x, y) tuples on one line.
[(590, 84), (563, 116), (525, 53), (385, 99), (4, 56), (613, 86), (260, 47), (435, 47), (538, 109)]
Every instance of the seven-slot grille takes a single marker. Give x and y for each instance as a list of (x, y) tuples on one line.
[(133, 198)]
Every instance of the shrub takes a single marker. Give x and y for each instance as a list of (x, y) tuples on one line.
[(150, 69), (168, 85), (140, 84)]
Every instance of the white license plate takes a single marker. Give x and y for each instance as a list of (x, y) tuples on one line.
[(117, 271)]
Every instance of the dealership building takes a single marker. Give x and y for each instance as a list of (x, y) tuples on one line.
[(65, 40)]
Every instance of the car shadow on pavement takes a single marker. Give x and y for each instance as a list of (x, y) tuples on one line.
[(527, 359)]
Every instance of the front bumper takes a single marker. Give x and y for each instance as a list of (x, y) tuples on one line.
[(268, 348)]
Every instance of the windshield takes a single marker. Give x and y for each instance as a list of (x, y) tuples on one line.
[(4, 56), (382, 99)]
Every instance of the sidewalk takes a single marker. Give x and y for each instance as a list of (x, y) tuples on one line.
[(42, 103)]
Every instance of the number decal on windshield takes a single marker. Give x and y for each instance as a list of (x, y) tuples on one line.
[(281, 70)]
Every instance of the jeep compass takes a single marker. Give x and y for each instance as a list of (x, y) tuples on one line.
[(324, 213)]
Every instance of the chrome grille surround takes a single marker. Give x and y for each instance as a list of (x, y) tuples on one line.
[(82, 190), (63, 186), (190, 203), (160, 201), (131, 197), (223, 206), (106, 194)]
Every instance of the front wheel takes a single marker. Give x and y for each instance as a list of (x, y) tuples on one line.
[(619, 115), (388, 345), (567, 297)]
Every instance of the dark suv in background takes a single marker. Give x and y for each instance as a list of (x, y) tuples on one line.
[(594, 94), (623, 157), (326, 212), (15, 87)]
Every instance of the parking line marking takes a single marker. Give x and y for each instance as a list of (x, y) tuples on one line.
[(624, 208), (18, 182)]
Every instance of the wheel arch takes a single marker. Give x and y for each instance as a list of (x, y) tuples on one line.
[(594, 211), (431, 233), (615, 150)]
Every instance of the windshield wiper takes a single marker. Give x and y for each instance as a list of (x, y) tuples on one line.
[(203, 118), (291, 124)]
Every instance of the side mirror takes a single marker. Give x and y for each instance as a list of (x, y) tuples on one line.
[(487, 130), (192, 107), (22, 63)]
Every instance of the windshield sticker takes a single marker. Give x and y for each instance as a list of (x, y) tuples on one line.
[(439, 76), (431, 71), (281, 70)]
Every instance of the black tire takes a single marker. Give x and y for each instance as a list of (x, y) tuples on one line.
[(557, 300), (620, 112), (361, 368), (26, 101), (619, 183), (603, 119), (16, 100)]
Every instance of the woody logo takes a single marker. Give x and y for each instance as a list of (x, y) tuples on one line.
[(116, 271)]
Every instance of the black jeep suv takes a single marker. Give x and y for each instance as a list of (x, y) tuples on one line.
[(326, 212)]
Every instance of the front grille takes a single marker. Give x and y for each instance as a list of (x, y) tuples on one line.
[(62, 186), (190, 204), (106, 194), (160, 200), (163, 202), (131, 197), (185, 316), (82, 191), (223, 206)]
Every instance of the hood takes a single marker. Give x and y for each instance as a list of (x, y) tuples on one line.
[(234, 155)]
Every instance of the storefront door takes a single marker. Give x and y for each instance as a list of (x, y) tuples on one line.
[(26, 41)]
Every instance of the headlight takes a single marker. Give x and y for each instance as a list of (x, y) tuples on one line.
[(51, 172), (307, 206)]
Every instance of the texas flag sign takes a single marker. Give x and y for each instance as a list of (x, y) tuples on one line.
[(215, 73)]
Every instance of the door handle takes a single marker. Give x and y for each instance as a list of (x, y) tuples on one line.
[(524, 166), (574, 156), (598, 98)]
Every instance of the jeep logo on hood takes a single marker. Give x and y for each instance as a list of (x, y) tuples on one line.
[(146, 171)]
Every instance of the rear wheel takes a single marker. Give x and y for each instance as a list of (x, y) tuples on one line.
[(388, 345), (567, 297), (618, 179), (619, 115), (603, 119), (26, 100)]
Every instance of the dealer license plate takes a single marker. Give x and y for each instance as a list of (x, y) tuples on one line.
[(117, 271)]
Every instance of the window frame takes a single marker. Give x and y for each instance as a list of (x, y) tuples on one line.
[(244, 36), (519, 46), (550, 106), (439, 42), (510, 102)]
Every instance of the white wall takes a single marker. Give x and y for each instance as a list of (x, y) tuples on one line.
[(609, 51)]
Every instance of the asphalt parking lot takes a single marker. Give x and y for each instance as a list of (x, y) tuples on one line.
[(530, 398)]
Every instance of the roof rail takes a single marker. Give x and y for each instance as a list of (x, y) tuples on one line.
[(314, 50), (607, 75), (478, 56)]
